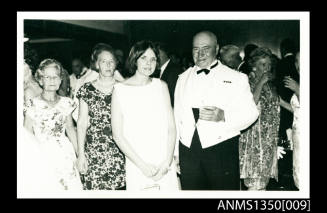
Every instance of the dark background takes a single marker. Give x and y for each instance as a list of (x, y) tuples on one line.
[(46, 36)]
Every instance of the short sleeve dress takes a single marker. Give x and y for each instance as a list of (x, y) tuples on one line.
[(258, 143), (106, 163), (49, 128)]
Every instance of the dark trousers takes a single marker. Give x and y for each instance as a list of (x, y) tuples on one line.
[(212, 168)]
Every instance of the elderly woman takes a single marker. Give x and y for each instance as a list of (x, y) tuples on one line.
[(48, 117), (99, 159), (258, 143), (143, 123)]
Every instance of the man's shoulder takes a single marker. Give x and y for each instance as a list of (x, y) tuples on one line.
[(232, 73)]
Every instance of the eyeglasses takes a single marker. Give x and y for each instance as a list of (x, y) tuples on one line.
[(48, 78)]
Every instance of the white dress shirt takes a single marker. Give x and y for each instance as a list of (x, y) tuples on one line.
[(163, 67), (222, 87)]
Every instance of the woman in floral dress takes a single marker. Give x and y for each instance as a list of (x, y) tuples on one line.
[(48, 117), (258, 143), (100, 160)]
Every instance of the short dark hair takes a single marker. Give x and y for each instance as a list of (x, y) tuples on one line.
[(97, 50), (137, 51)]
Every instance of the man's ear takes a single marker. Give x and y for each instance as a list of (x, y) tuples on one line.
[(217, 50)]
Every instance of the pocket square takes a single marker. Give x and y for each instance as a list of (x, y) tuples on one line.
[(229, 82)]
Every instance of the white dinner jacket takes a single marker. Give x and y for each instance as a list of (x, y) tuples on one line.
[(229, 91)]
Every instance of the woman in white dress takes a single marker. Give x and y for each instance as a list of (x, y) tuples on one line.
[(48, 117), (143, 123)]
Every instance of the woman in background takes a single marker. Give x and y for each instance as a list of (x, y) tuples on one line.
[(258, 143), (100, 160)]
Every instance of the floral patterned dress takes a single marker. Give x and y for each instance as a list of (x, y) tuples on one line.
[(258, 143), (106, 163), (49, 128)]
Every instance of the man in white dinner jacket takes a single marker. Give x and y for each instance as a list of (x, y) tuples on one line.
[(213, 103)]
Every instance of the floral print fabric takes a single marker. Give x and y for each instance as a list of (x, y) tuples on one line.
[(106, 163), (258, 143), (49, 125)]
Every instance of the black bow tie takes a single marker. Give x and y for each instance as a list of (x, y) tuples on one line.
[(206, 71)]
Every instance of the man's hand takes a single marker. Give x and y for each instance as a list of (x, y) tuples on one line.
[(212, 113)]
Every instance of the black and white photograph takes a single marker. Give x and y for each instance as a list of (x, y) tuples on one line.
[(163, 105)]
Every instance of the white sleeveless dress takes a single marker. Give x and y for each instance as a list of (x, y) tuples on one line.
[(145, 126)]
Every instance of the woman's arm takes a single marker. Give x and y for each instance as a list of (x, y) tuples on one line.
[(171, 125), (286, 105), (81, 134), (71, 132), (28, 123), (117, 132), (164, 166)]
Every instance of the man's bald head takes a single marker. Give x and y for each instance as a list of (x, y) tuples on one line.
[(205, 48), (206, 34)]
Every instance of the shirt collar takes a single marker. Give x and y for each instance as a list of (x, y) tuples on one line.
[(198, 68)]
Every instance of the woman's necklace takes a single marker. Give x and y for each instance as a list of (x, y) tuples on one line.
[(105, 87), (50, 102)]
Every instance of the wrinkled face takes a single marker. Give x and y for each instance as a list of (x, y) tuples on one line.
[(204, 50), (297, 62), (263, 65), (106, 64), (146, 63), (50, 80), (77, 67)]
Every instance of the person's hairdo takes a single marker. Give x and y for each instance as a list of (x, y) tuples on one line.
[(137, 51), (223, 50), (97, 50), (49, 63), (259, 53)]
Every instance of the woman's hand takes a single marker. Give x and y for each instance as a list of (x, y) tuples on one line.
[(162, 171), (291, 84), (82, 164), (267, 76), (149, 170)]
